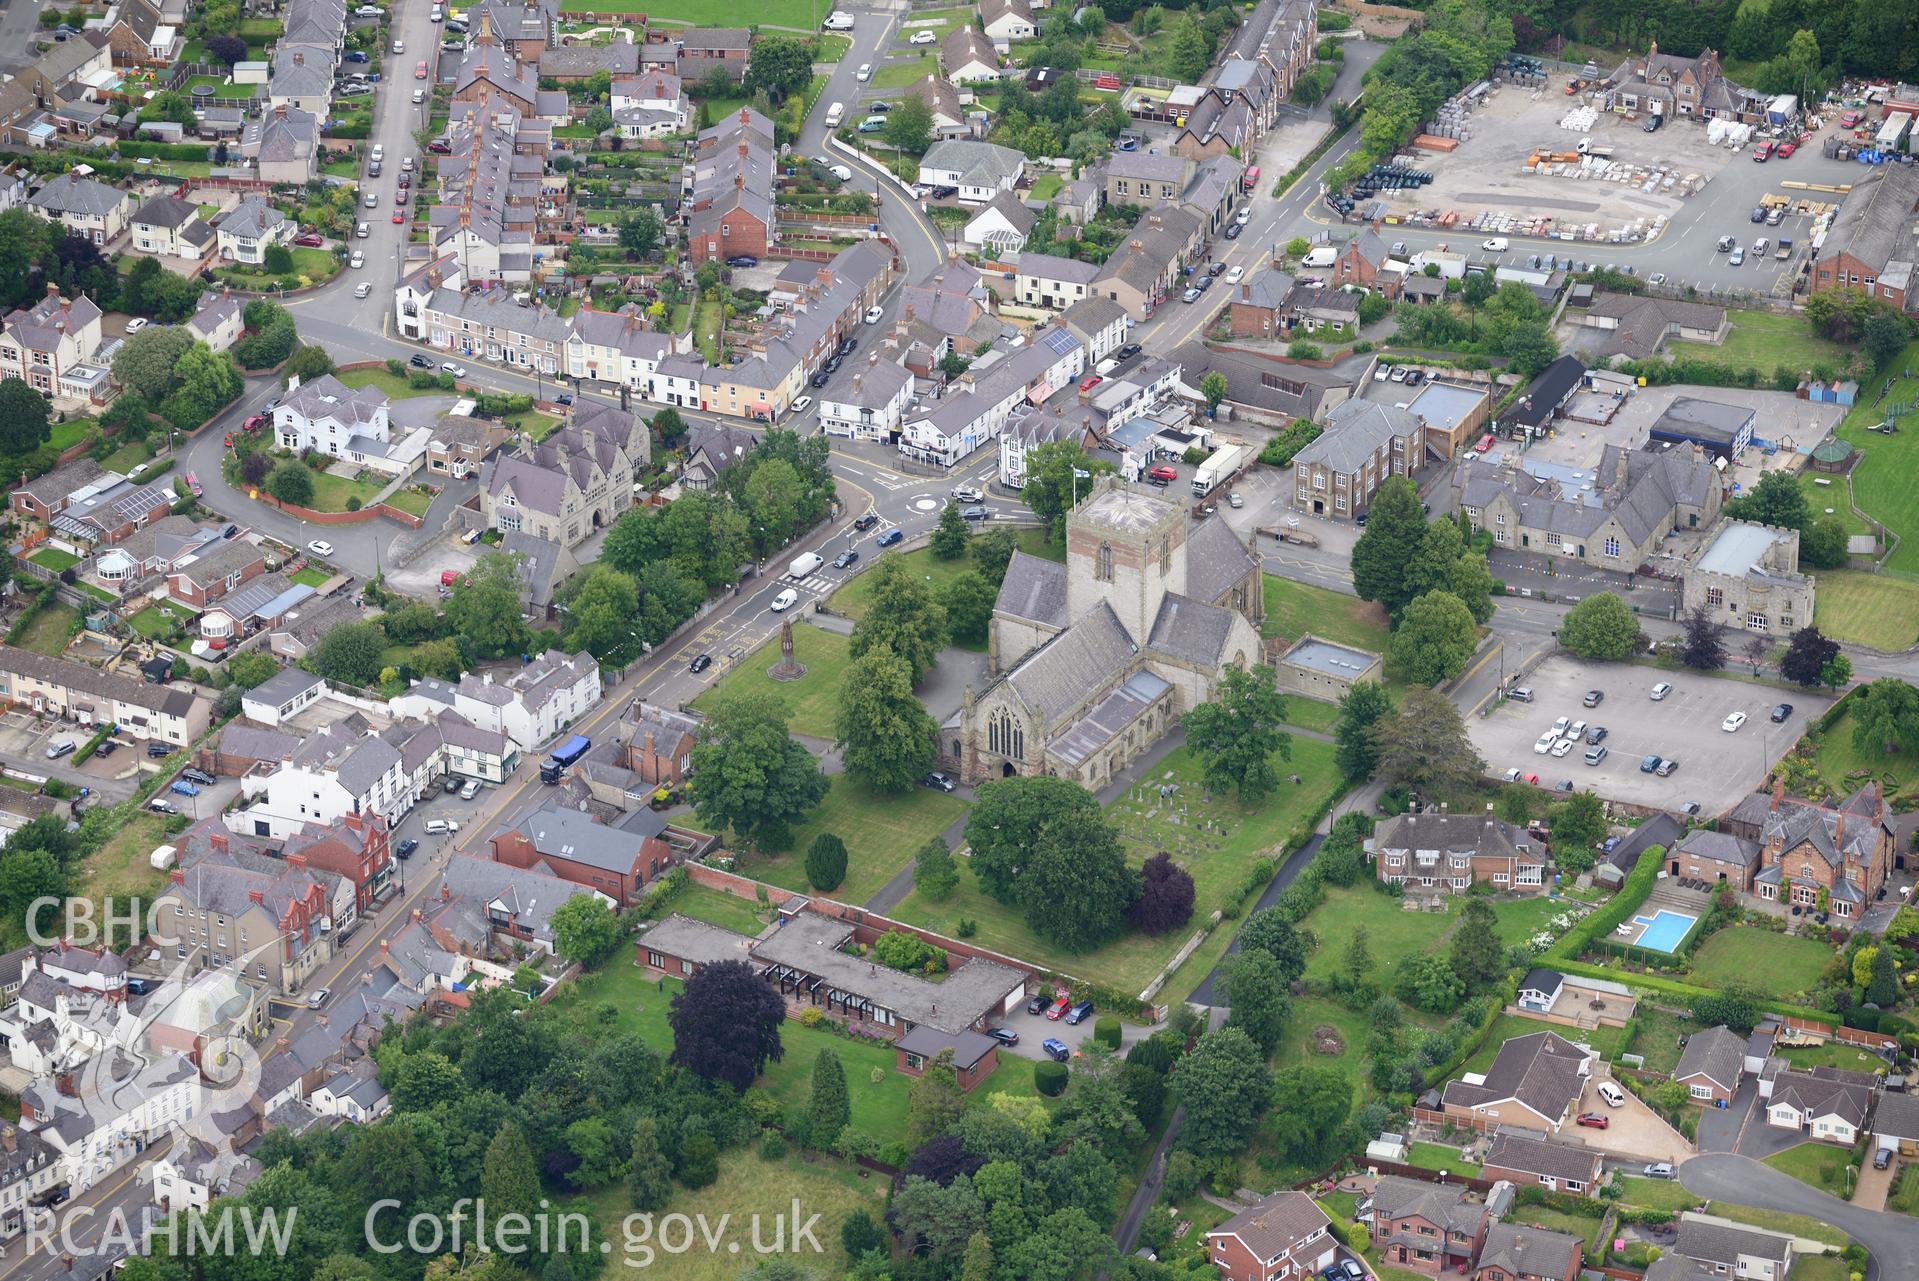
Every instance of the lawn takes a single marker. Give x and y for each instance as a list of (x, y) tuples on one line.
[(127, 457), (314, 264), (1819, 1164), (64, 436), (54, 559), (310, 577), (50, 630), (330, 492), (1880, 611), (1556, 1221), (1657, 1194), (751, 1194), (717, 907), (1440, 1156), (1216, 842), (1831, 1055), (1904, 1197), (1311, 713), (812, 701), (706, 331), (1779, 964), (1836, 493), (882, 833), (396, 388), (119, 869), (157, 620), (1819, 1267), (1046, 186), (1762, 340), (1293, 609), (1801, 1225), (897, 75), (1884, 481), (1656, 1036), (1840, 758), (411, 501), (1301, 1043)]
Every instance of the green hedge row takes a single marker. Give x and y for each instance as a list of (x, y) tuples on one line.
[(165, 150), (1610, 917)]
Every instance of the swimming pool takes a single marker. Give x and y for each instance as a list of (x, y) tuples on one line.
[(1664, 929)]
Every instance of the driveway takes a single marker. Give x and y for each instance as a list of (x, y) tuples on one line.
[(1874, 1185), (1892, 1239), (1719, 1128), (1637, 1133)]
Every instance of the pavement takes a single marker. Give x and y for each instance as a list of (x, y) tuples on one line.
[(1891, 1239)]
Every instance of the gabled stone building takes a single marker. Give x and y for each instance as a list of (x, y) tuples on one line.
[(1846, 849), (576, 481)]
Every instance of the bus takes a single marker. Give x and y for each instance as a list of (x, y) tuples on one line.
[(1250, 180), (564, 755)]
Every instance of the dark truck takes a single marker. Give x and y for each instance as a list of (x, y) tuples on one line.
[(563, 756)]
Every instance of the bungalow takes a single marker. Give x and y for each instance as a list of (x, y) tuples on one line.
[(1749, 1254), (1829, 1104), (981, 170), (975, 1054), (1516, 1252), (1533, 1080), (1524, 1157), (214, 573), (967, 54), (1712, 1066), (1538, 990), (1285, 1235), (1895, 1126), (1006, 21), (1001, 227)]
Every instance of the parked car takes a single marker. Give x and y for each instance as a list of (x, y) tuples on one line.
[(1660, 690), (404, 850), (1595, 1120), (419, 362), (158, 749), (1881, 1158), (1659, 1170), (65, 747), (1667, 764), (1594, 697), (845, 558), (1004, 1035), (1596, 735), (448, 367), (800, 404), (470, 789), (742, 260), (309, 240), (320, 547), (1056, 1049), (700, 663), (1781, 713), (1080, 1012), (938, 781), (163, 807), (183, 789), (1649, 764), (1057, 1010), (199, 776), (873, 315), (318, 998), (1037, 1003), (1732, 723)]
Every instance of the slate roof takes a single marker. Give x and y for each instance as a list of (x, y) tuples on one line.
[(1053, 678), (250, 219), (619, 58), (1275, 1223), (1216, 560), (979, 164), (1536, 1154), (82, 679), (1716, 1243), (1455, 833), (231, 556), (284, 686), (327, 397), (1540, 1072), (1034, 589), (1815, 1094), (68, 194), (1190, 630), (1718, 1054), (1722, 846), (1147, 166), (572, 835), (1355, 431), (1795, 823), (1444, 1205), (965, 45), (166, 211), (1897, 1115), (1010, 207), (1522, 1251), (1874, 222), (1546, 392), (1539, 979)]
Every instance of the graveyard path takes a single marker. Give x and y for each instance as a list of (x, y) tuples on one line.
[(890, 894)]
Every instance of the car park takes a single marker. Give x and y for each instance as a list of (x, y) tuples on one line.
[(1564, 747), (1660, 690), (1732, 723), (1594, 755), (1667, 765)]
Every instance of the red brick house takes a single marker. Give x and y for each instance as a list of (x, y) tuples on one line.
[(1534, 1081), (1523, 1157), (1846, 849), (568, 844), (224, 568), (1360, 260), (356, 850), (1515, 1252), (1868, 245), (1712, 1066), (729, 210), (1433, 854), (975, 1054), (659, 743), (1427, 1228), (1283, 1236)]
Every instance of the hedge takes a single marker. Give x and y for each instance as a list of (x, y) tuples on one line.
[(1638, 885), (165, 150), (1106, 1030), (92, 745), (1836, 711), (1049, 1078), (1469, 1045)]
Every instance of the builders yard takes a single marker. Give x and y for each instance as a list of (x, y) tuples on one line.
[(1715, 769)]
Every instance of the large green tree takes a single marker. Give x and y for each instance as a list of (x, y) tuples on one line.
[(350, 653), (1006, 821), (748, 773), (1578, 825), (1386, 552), (902, 616), (1310, 1106), (1360, 708), (885, 733), (146, 360), (831, 1106), (909, 125), (1257, 993), (952, 534), (484, 607), (1076, 887), (1224, 1086), (1237, 735), (1776, 500), (602, 616), (1476, 954), (587, 930), (24, 418), (969, 601), (1885, 717), (1601, 626), (1434, 639), (1271, 931), (1058, 476), (1424, 747), (781, 65)]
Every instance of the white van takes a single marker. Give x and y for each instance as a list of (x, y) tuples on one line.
[(441, 826), (804, 564), (834, 114), (785, 601), (1497, 245), (1612, 1094)]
